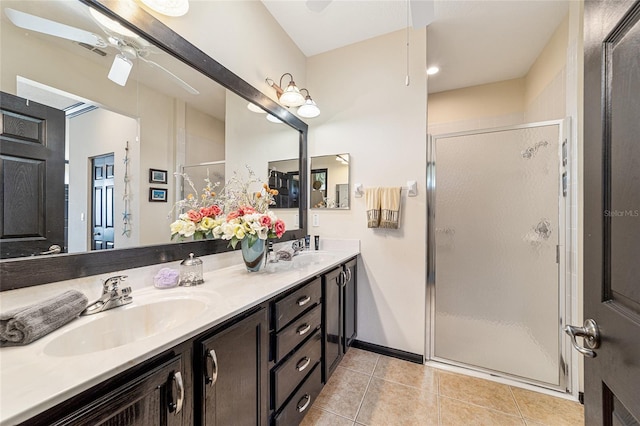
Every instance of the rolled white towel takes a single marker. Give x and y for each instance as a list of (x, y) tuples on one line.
[(22, 326)]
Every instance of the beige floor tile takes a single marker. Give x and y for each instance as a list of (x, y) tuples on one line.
[(359, 360), (318, 417), (477, 391), (458, 413), (343, 392), (388, 403), (407, 373), (547, 409)]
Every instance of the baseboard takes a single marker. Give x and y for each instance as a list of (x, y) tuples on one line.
[(383, 350)]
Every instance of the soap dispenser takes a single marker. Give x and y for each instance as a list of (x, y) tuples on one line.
[(191, 271)]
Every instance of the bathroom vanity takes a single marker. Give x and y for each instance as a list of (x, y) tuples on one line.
[(253, 350)]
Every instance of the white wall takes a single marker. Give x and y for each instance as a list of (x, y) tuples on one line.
[(100, 132), (368, 112)]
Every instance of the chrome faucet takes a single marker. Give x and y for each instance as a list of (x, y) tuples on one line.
[(298, 245), (112, 296)]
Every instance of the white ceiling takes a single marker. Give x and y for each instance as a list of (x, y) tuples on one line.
[(471, 41)]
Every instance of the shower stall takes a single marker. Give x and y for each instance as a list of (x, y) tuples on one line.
[(496, 244)]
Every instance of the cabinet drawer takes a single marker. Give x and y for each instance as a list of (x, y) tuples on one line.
[(296, 332), (298, 406), (296, 303), (288, 376)]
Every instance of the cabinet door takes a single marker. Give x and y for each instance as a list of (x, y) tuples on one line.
[(350, 304), (154, 398), (234, 374), (333, 320)]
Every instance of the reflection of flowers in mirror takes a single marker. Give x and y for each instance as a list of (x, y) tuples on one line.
[(198, 216)]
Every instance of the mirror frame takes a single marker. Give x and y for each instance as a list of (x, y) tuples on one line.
[(26, 272)]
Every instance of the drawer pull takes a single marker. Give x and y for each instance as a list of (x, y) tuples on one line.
[(303, 329), (211, 380), (303, 363), (304, 300), (304, 406)]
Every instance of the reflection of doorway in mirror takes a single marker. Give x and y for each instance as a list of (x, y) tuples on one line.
[(102, 217)]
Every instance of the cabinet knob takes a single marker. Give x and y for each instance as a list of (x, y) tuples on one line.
[(211, 379)]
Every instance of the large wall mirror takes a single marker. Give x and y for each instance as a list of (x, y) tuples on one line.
[(160, 114), (329, 182)]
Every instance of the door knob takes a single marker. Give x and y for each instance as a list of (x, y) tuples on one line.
[(54, 249), (590, 334)]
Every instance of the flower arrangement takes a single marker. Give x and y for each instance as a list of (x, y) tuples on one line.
[(201, 217), (248, 212)]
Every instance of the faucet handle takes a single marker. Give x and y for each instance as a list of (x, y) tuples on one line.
[(111, 283)]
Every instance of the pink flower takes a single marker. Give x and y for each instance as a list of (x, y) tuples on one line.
[(194, 216), (211, 211), (247, 210), (233, 215), (279, 228), (265, 221)]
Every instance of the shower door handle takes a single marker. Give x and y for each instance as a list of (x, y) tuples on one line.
[(591, 336)]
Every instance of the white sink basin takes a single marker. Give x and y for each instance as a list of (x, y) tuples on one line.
[(312, 258), (125, 324)]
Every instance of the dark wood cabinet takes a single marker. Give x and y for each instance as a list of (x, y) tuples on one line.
[(339, 289), (296, 352), (232, 374), (265, 365), (155, 397)]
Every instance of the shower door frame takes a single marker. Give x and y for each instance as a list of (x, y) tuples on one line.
[(567, 285)]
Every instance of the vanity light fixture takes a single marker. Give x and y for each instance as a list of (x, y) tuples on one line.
[(309, 109), (173, 8), (289, 97), (255, 108)]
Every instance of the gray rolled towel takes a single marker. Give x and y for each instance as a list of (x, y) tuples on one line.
[(22, 326)]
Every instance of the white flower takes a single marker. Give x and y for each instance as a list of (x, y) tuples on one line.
[(188, 229)]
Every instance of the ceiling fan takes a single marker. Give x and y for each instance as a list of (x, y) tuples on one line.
[(130, 46)]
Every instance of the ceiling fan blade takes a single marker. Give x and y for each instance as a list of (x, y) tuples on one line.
[(186, 86), (317, 5), (45, 26)]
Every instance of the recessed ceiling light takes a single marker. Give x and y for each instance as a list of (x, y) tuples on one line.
[(432, 70)]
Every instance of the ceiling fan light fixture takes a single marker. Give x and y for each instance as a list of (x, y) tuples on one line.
[(173, 8), (120, 69), (111, 25), (255, 108), (432, 70)]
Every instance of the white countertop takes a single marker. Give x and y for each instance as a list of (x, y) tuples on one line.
[(31, 381)]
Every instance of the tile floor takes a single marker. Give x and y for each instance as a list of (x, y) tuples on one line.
[(372, 389)]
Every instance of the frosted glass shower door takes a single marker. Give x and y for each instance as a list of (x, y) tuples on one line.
[(496, 229)]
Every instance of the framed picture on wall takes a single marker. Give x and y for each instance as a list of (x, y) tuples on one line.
[(158, 194), (157, 176)]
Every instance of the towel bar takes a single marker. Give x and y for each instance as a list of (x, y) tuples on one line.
[(411, 188)]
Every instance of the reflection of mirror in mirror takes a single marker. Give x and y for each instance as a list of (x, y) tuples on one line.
[(172, 117), (285, 177), (329, 183)]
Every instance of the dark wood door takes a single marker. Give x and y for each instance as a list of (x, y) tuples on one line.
[(350, 304), (612, 210), (233, 374), (333, 320), (102, 201), (150, 399), (31, 177)]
